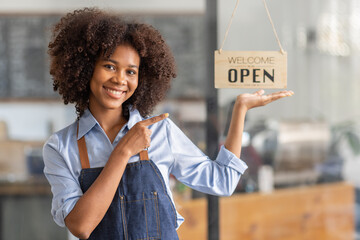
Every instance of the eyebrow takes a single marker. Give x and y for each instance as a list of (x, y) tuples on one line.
[(115, 62)]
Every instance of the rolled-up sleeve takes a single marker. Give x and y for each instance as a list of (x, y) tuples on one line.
[(196, 170), (229, 159), (64, 186)]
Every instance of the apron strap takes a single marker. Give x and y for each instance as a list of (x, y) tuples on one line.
[(144, 156), (84, 159)]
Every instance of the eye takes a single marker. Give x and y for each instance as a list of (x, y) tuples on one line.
[(110, 67), (131, 72)]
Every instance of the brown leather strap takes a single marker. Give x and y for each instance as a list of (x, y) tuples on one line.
[(84, 159), (144, 155)]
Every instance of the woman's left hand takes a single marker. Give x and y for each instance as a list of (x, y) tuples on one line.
[(243, 103), (257, 99)]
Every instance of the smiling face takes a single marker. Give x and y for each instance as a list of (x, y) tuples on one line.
[(114, 79)]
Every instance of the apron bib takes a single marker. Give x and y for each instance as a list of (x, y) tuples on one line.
[(141, 208)]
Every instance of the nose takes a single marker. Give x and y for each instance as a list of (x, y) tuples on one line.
[(119, 78), (123, 82)]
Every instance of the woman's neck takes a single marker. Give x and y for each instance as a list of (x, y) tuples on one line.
[(110, 120)]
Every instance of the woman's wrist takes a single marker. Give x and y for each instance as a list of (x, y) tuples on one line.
[(240, 108), (121, 153)]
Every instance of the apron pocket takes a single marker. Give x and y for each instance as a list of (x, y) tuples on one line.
[(140, 216)]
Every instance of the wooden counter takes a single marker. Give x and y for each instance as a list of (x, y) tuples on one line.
[(31, 187), (321, 212)]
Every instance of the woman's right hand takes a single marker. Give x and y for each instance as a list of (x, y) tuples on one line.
[(138, 137)]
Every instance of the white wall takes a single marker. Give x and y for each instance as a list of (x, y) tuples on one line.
[(35, 120), (125, 6)]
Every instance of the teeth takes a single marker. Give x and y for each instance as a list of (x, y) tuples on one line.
[(113, 91)]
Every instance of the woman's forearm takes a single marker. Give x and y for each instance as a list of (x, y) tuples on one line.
[(92, 206), (234, 136), (243, 103)]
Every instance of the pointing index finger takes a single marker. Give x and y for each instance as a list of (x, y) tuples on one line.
[(150, 121)]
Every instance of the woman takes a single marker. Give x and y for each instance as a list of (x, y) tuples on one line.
[(109, 170)]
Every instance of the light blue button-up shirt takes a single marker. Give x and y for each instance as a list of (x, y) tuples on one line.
[(171, 151)]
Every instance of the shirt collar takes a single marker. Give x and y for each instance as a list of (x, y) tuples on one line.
[(88, 121), (134, 118)]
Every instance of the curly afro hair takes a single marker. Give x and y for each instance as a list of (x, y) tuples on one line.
[(81, 37)]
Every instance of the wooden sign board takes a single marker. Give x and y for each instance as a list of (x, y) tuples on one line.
[(250, 69)]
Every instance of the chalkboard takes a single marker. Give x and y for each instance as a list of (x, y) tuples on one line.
[(24, 64), (23, 57)]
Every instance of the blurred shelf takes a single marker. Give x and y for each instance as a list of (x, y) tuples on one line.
[(35, 186)]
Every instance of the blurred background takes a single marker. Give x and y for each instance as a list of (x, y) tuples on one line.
[(303, 152)]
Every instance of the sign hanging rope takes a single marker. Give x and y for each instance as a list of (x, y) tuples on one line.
[(250, 69), (269, 17)]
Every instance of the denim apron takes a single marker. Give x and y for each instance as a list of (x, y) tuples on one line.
[(141, 208)]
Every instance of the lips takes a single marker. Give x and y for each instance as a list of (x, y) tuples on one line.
[(115, 93)]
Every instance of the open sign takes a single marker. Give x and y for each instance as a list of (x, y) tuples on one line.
[(250, 69)]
